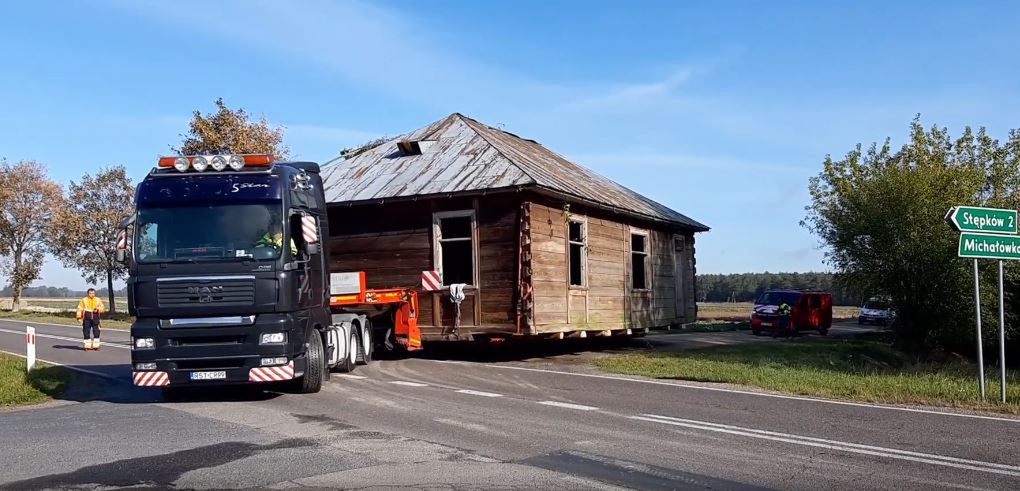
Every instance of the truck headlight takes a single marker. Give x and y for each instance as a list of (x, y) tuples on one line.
[(144, 343), (273, 338)]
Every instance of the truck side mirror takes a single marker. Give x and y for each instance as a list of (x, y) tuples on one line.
[(309, 230), (121, 254)]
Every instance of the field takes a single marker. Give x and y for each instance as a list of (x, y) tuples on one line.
[(57, 303), (60, 311), (859, 369), (709, 311)]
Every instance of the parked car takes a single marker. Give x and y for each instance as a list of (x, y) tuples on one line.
[(810, 311), (877, 310)]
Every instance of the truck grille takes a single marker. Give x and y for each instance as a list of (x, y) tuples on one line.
[(207, 292)]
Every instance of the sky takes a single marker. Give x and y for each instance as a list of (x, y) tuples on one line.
[(720, 110)]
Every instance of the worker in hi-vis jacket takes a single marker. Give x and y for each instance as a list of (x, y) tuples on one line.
[(90, 310)]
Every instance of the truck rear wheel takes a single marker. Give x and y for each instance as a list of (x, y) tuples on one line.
[(311, 382), (347, 364), (366, 346)]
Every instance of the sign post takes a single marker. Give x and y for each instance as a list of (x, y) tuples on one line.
[(980, 345), (29, 347), (1002, 339), (987, 233)]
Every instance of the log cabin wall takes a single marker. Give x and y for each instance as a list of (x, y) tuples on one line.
[(606, 295), (394, 242)]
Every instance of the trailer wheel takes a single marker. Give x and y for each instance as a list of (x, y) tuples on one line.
[(347, 364), (311, 382), (366, 345)]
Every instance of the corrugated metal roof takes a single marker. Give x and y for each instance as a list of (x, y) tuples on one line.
[(463, 155)]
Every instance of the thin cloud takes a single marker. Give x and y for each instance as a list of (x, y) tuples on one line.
[(384, 49)]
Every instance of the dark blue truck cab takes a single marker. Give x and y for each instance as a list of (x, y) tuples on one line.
[(228, 281)]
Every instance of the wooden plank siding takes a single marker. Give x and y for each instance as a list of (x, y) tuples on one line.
[(393, 244), (607, 301)]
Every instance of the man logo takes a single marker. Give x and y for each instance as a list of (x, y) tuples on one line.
[(205, 293)]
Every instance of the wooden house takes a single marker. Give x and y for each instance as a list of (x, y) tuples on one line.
[(545, 246)]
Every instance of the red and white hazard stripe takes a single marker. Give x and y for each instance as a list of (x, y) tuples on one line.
[(30, 337), (309, 230), (272, 374), (151, 379), (431, 281), (122, 241)]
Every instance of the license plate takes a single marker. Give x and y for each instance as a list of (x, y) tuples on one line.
[(220, 375), (766, 324)]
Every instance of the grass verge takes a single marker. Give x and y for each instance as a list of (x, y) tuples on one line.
[(18, 388), (112, 321), (852, 369)]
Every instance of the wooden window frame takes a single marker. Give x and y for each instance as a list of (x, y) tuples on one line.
[(647, 253), (583, 220), (437, 241)]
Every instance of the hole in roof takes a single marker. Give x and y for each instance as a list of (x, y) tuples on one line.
[(415, 147)]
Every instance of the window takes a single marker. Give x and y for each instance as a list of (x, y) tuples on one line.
[(638, 261), (455, 253), (577, 237), (209, 233)]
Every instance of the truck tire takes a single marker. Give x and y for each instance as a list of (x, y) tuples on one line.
[(347, 364), (366, 346), (315, 359)]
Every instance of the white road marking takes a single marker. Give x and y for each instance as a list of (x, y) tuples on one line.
[(64, 338), (408, 384), (77, 369), (758, 394), (348, 375), (976, 465), (568, 405), (463, 424), (479, 393)]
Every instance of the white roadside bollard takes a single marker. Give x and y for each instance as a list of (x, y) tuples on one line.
[(30, 347)]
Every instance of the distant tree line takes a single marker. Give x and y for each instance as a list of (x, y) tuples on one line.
[(55, 292), (745, 287)]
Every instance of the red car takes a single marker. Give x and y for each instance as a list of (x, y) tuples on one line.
[(809, 311)]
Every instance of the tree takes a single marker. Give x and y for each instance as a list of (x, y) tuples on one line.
[(231, 131), (28, 200), (86, 226), (880, 214)]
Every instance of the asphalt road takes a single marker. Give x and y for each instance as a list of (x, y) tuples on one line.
[(499, 421)]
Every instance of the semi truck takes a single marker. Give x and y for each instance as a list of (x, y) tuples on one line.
[(229, 279)]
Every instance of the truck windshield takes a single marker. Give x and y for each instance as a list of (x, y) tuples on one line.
[(778, 298), (209, 233)]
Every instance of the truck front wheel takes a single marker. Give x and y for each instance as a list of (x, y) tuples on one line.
[(315, 369)]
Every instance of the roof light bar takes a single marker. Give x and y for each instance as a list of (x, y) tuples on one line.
[(201, 163)]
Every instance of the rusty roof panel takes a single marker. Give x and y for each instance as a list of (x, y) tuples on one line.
[(465, 155)]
